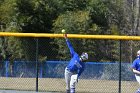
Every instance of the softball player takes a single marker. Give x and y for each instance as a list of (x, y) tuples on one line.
[(136, 69), (74, 68)]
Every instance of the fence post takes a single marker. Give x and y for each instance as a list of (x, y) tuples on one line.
[(120, 68), (36, 64)]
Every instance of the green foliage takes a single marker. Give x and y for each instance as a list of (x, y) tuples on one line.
[(114, 30), (75, 16), (11, 49), (98, 12), (14, 47), (72, 22), (7, 11), (73, 5), (35, 16)]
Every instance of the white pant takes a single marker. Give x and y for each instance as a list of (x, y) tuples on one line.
[(70, 79), (137, 78)]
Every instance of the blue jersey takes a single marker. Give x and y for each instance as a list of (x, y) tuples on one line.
[(75, 65), (136, 64)]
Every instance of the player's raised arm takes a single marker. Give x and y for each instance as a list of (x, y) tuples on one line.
[(68, 43)]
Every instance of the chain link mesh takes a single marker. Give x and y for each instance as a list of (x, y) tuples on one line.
[(18, 64)]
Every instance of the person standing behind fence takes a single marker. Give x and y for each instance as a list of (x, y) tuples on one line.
[(74, 68), (136, 69)]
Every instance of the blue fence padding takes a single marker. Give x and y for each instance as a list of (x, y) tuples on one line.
[(55, 69), (24, 69), (6, 68)]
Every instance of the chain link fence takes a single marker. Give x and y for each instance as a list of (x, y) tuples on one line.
[(38, 64)]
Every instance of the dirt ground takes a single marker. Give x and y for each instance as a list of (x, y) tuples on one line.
[(58, 85)]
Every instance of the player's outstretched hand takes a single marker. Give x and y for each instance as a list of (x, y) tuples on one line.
[(65, 36)]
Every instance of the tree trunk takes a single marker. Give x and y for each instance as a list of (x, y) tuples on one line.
[(136, 17)]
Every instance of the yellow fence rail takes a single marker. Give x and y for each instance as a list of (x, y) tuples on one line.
[(52, 35)]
